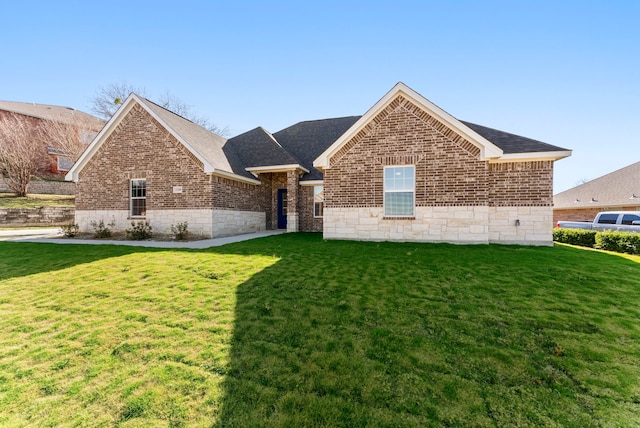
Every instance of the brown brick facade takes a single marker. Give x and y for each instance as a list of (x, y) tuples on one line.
[(141, 148), (516, 184), (448, 169), (308, 223)]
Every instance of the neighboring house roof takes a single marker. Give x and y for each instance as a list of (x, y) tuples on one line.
[(494, 145), (616, 189), (307, 140), (62, 114)]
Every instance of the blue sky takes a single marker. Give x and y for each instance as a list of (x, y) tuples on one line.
[(563, 72)]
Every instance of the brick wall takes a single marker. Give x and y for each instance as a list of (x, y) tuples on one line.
[(518, 184), (586, 214), (140, 148), (448, 169), (308, 223)]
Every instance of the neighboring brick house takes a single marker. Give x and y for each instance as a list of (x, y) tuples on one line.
[(406, 170), (616, 191), (38, 115)]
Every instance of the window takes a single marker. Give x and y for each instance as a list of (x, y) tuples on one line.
[(630, 218), (138, 197), (608, 219), (64, 164), (318, 201), (399, 191)]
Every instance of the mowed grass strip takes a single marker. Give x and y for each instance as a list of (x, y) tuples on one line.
[(296, 331), (9, 200)]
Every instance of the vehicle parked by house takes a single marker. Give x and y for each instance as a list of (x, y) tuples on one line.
[(623, 221)]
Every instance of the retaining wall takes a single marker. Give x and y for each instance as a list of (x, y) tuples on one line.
[(45, 187), (49, 216)]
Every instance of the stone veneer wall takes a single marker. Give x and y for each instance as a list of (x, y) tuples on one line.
[(460, 225)]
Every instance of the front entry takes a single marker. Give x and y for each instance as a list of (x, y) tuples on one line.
[(282, 208)]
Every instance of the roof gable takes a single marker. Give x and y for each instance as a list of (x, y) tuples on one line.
[(616, 189), (258, 148), (401, 91), (490, 144), (206, 146)]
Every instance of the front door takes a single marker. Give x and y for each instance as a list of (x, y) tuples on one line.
[(282, 208)]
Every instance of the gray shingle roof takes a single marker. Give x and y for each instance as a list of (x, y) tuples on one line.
[(616, 189), (61, 114), (512, 143), (307, 140), (257, 148), (205, 143)]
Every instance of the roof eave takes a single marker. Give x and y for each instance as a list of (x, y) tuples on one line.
[(230, 175), (277, 168), (533, 156)]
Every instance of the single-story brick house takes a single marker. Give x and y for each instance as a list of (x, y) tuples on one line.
[(406, 170), (616, 191)]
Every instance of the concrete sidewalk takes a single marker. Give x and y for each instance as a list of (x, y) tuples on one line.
[(54, 236)]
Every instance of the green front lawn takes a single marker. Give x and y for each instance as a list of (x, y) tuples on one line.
[(295, 331), (9, 200)]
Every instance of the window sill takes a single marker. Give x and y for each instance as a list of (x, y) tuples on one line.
[(399, 218)]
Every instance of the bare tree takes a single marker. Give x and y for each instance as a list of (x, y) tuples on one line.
[(69, 138), (22, 152), (108, 99)]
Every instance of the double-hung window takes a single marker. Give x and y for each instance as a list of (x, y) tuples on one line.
[(138, 197), (399, 191), (318, 201)]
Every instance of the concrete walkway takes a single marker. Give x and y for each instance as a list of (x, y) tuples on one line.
[(54, 236)]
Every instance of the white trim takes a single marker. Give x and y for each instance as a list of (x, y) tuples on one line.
[(533, 156), (313, 202), (312, 183), (276, 168), (488, 150), (385, 191), (232, 176), (131, 198)]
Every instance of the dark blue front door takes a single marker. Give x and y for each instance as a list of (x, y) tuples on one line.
[(282, 208)]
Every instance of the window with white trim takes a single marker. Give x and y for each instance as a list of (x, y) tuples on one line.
[(318, 201), (138, 197), (399, 191)]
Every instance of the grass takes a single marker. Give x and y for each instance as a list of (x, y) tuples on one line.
[(9, 200), (295, 331)]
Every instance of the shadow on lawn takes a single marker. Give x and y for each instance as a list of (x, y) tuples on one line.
[(24, 258), (331, 336)]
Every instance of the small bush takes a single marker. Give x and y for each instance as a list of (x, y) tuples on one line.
[(581, 237), (180, 231), (101, 230), (621, 242), (70, 230), (139, 230)]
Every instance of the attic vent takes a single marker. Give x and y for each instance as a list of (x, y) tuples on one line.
[(577, 200), (634, 196), (594, 200)]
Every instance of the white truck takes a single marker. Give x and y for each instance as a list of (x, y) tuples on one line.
[(623, 221)]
